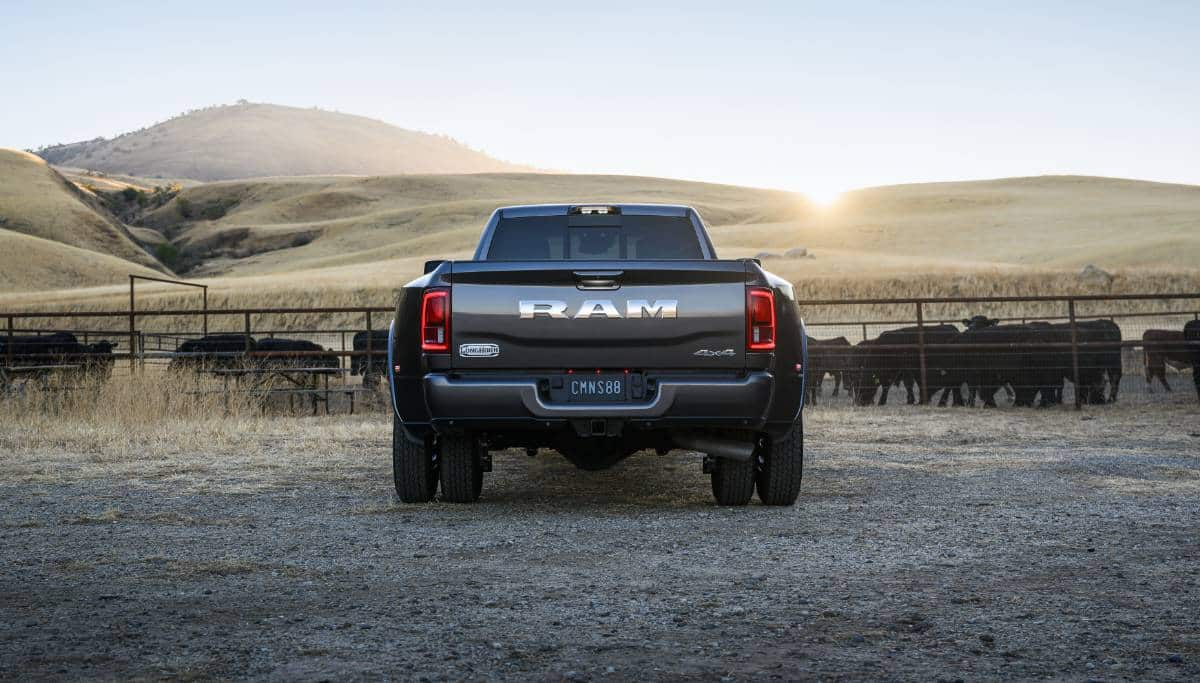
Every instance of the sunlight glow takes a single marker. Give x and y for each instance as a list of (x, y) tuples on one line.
[(823, 197)]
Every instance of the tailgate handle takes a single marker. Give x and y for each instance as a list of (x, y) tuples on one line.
[(598, 279)]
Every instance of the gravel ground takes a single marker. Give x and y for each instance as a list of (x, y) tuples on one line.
[(954, 544)]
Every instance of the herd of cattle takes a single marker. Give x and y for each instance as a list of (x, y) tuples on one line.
[(1030, 362), (64, 351), (240, 351)]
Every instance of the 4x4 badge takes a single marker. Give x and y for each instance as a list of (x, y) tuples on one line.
[(708, 353)]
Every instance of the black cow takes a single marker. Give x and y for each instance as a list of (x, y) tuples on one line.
[(1035, 358), (99, 360), (895, 358), (993, 356), (1160, 348), (826, 356), (214, 351), (59, 348), (37, 349), (378, 359), (1191, 337), (275, 344), (1099, 359), (1099, 355)]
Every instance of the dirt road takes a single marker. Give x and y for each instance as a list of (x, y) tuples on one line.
[(927, 545)]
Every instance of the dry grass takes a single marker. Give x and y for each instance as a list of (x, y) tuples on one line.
[(145, 428), (133, 416)]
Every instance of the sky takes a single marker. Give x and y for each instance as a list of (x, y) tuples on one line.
[(814, 97)]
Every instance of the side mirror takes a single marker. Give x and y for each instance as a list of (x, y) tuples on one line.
[(431, 266)]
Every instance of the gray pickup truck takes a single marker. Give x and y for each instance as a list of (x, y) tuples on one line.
[(597, 331)]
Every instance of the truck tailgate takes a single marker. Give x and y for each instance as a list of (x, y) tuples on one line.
[(598, 314)]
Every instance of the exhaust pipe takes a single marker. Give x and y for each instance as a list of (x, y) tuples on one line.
[(729, 449)]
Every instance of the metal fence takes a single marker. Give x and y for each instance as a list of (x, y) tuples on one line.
[(1040, 350), (1036, 350), (225, 351)]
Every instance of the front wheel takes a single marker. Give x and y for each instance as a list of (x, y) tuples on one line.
[(781, 467), (414, 467)]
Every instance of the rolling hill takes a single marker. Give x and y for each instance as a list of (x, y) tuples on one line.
[(248, 140), (1048, 223), (296, 224), (340, 240), (54, 234), (1045, 222)]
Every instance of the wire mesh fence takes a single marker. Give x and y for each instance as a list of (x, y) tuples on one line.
[(332, 360), (1018, 351)]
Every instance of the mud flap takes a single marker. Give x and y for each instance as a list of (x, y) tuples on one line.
[(391, 377)]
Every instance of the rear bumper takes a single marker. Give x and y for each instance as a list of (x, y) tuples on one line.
[(731, 401)]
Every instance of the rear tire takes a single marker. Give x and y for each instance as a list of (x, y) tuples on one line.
[(414, 467), (460, 468), (781, 468), (733, 481)]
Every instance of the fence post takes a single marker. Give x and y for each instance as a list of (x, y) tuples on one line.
[(246, 326), (205, 323), (8, 348), (921, 352), (864, 326), (1075, 354), (132, 331), (370, 356)]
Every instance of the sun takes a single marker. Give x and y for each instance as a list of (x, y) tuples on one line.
[(823, 197)]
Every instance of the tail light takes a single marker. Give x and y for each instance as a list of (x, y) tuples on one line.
[(760, 319), (435, 321)]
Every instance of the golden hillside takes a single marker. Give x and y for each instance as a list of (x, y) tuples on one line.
[(1050, 222), (32, 264), (38, 202), (299, 224), (1055, 223), (351, 241), (249, 140)]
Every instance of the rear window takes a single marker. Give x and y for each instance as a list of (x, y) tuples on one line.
[(625, 237)]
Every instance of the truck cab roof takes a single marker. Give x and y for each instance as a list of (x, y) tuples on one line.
[(565, 231), (526, 210)]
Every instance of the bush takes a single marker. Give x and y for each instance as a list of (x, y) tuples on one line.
[(167, 254), (212, 212), (185, 207)]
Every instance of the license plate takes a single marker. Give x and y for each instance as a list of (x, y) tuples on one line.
[(590, 388)]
